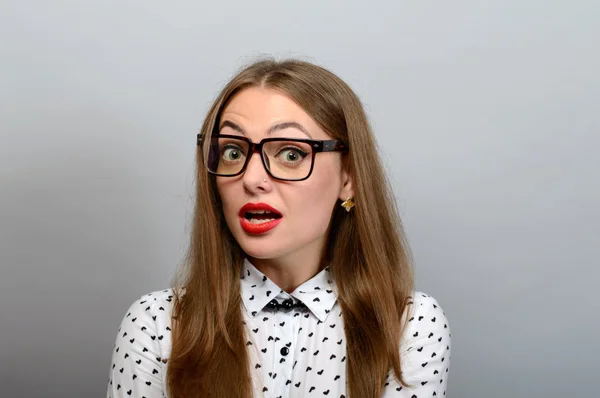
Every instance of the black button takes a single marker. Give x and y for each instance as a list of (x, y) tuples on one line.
[(287, 305), (284, 351), (272, 305)]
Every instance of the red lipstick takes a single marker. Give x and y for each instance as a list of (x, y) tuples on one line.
[(252, 214)]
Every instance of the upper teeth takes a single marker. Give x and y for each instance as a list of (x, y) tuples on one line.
[(258, 211)]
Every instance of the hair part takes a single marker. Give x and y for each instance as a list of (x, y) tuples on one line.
[(366, 251)]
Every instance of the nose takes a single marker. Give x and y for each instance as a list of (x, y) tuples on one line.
[(255, 172)]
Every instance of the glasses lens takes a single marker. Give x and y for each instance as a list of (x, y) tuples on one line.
[(289, 160), (226, 156)]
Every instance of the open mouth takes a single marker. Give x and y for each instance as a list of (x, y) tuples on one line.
[(260, 216)]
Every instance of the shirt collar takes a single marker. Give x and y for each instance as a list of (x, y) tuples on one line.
[(319, 293)]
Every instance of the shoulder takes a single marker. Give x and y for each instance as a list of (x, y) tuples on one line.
[(426, 319), (426, 346), (423, 303), (146, 324), (153, 301), (142, 344), (151, 311)]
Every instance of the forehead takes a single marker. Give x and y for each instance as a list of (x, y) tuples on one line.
[(256, 109)]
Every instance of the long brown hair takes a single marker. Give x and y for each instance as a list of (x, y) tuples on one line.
[(366, 251)]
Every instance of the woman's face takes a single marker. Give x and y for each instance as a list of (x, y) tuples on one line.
[(305, 206)]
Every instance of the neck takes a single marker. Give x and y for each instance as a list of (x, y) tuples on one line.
[(292, 270)]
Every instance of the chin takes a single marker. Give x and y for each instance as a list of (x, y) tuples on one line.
[(261, 254), (263, 249)]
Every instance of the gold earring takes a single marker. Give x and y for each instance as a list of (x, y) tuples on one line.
[(348, 204)]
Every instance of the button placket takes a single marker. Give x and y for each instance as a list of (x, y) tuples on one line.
[(284, 348)]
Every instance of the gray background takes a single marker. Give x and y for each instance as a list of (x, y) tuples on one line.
[(487, 114)]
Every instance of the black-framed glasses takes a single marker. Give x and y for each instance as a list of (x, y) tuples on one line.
[(287, 159)]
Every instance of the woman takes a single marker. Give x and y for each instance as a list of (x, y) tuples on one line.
[(298, 280)]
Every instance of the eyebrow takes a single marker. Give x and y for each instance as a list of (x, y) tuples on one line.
[(272, 129)]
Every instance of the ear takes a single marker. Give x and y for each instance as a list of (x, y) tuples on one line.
[(347, 189)]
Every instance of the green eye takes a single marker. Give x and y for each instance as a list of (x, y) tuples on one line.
[(291, 155), (232, 153)]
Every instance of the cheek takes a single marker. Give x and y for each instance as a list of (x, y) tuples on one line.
[(222, 192), (313, 202), (225, 190)]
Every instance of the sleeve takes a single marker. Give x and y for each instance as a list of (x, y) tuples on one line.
[(136, 369), (425, 353)]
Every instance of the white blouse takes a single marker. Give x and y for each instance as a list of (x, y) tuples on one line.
[(295, 351)]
